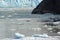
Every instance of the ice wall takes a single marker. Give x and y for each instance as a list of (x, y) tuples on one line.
[(19, 3)]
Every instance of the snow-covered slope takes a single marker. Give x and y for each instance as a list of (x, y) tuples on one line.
[(19, 3)]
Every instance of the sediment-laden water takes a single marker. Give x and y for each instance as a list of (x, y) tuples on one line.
[(23, 22)]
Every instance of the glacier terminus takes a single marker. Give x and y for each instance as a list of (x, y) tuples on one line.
[(19, 3)]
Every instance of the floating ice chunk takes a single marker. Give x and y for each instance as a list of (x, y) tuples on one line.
[(36, 29), (9, 15), (56, 23), (45, 26), (2, 16), (18, 35), (43, 36), (50, 28), (58, 33)]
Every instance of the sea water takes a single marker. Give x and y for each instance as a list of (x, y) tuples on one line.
[(23, 22)]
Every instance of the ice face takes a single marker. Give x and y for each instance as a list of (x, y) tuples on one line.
[(19, 3)]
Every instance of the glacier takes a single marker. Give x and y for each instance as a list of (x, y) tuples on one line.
[(19, 3)]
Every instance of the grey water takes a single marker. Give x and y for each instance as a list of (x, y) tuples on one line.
[(18, 15), (24, 14), (10, 23)]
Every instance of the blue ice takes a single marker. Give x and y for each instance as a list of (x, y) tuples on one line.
[(19, 3)]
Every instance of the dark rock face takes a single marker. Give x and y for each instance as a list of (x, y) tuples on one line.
[(48, 6)]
